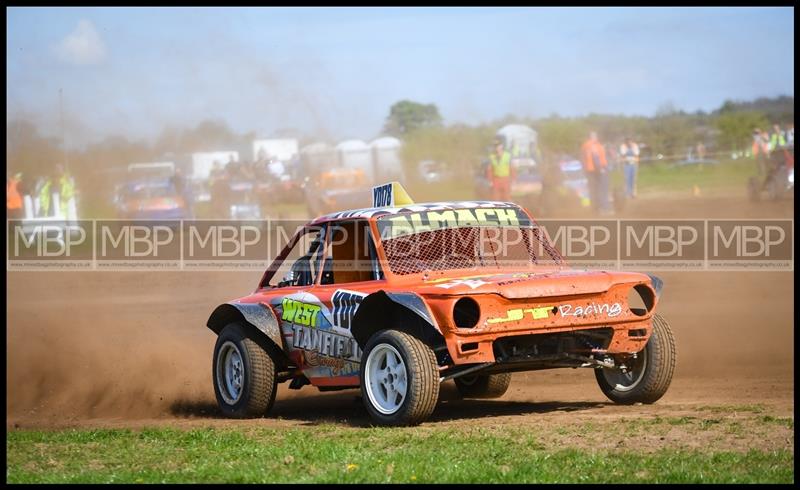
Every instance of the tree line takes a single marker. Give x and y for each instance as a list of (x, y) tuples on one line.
[(669, 131)]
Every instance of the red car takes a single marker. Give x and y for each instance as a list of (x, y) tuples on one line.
[(397, 298)]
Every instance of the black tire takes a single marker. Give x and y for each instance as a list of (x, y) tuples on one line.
[(658, 358), (483, 386), (257, 391), (422, 379)]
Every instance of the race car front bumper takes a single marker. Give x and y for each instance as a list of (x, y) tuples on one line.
[(618, 327)]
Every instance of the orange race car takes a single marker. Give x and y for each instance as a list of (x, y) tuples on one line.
[(397, 298)]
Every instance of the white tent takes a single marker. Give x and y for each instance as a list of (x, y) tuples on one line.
[(318, 157), (387, 159), (520, 139), (356, 154)]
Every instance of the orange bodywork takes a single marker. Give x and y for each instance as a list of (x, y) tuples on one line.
[(536, 300), (538, 305)]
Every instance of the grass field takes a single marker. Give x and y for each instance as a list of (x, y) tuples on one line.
[(336, 453), (725, 174), (659, 177)]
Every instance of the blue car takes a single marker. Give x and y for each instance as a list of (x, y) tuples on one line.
[(151, 200)]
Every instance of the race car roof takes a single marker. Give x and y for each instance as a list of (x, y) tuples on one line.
[(375, 212)]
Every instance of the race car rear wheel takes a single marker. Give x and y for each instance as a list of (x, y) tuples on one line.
[(399, 379), (243, 374), (483, 386), (646, 377)]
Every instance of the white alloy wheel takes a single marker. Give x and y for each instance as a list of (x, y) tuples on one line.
[(386, 379), (627, 380), (230, 373)]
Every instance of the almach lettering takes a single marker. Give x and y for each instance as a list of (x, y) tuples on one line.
[(518, 314), (454, 218), (299, 312)]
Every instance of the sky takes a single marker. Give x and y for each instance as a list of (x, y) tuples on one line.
[(335, 72)]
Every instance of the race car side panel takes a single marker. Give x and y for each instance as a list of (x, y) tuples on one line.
[(315, 324)]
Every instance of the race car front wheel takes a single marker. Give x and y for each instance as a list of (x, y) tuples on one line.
[(399, 379), (243, 374), (646, 377)]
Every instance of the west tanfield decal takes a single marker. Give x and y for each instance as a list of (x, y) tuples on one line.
[(321, 336)]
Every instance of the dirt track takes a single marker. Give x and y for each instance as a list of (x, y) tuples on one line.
[(131, 349)]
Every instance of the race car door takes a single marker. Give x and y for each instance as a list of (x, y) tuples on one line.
[(350, 272), (294, 276)]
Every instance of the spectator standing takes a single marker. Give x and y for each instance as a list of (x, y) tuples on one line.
[(629, 152), (66, 191), (760, 150), (14, 197), (595, 166), (701, 151), (777, 139), (500, 172), (45, 196)]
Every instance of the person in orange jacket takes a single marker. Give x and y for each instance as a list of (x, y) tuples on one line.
[(595, 166), (14, 197)]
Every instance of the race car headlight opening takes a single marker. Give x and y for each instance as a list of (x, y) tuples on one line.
[(641, 299), (466, 313)]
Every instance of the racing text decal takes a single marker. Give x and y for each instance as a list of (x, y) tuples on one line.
[(539, 313), (610, 309)]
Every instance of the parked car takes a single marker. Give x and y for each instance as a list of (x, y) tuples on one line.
[(574, 181), (335, 189), (155, 199), (244, 203)]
